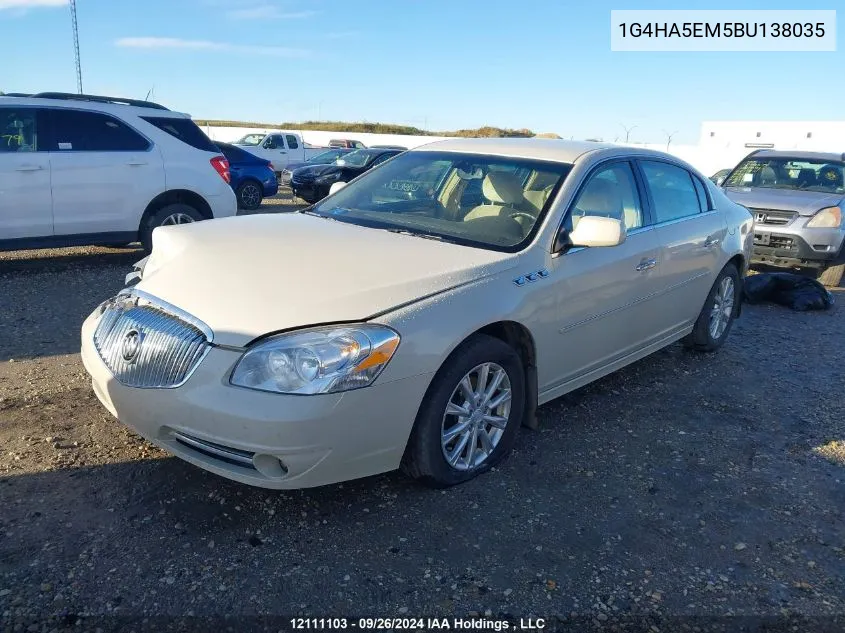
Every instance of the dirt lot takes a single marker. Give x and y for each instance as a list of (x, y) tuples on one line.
[(681, 487)]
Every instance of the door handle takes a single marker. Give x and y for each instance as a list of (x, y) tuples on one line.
[(646, 264), (136, 163), (282, 152), (29, 168), (711, 241)]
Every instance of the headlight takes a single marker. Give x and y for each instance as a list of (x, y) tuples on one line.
[(321, 360), (828, 218)]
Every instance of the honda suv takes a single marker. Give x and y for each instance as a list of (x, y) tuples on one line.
[(82, 169), (797, 199)]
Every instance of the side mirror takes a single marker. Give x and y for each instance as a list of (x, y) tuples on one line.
[(336, 186), (596, 231)]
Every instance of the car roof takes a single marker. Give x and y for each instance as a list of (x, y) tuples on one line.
[(116, 105), (773, 153), (538, 148)]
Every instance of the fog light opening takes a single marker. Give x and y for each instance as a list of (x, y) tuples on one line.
[(270, 465)]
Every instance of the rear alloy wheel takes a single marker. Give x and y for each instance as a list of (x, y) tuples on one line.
[(170, 215), (470, 416), (250, 195), (717, 316), (832, 275)]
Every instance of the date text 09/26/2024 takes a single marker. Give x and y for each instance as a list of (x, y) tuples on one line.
[(416, 624)]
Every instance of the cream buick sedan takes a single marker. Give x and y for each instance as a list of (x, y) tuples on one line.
[(416, 317)]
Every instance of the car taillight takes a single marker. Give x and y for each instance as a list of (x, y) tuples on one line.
[(221, 166), (273, 167)]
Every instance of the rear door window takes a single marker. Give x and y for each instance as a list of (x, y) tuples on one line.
[(703, 200), (293, 143), (84, 131), (185, 130), (672, 191)]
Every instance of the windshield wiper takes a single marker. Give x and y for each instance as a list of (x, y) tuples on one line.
[(427, 236)]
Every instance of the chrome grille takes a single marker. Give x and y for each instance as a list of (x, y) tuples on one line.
[(773, 217), (148, 344)]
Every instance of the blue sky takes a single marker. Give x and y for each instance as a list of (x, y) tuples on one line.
[(541, 64)]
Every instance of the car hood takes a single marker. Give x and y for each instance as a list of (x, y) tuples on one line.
[(251, 275), (314, 171), (804, 202)]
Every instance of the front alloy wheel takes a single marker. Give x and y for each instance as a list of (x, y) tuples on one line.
[(470, 415), (476, 416)]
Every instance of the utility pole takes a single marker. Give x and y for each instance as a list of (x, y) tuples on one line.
[(628, 130), (669, 138), (76, 46)]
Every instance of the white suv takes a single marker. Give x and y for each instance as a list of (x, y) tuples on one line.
[(80, 169)]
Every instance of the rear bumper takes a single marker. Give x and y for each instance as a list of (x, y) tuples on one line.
[(271, 188), (223, 205), (796, 248)]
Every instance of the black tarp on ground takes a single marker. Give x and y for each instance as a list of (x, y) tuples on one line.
[(787, 289)]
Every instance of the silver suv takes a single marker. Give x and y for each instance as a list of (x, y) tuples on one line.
[(797, 199)]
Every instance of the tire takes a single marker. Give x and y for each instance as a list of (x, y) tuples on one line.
[(250, 194), (176, 213), (832, 275), (425, 456), (705, 336)]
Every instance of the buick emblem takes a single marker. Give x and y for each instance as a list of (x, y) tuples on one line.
[(131, 345)]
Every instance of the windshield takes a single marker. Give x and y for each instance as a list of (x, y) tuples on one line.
[(250, 139), (326, 157), (790, 173), (484, 201), (358, 158)]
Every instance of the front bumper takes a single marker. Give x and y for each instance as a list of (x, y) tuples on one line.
[(795, 247), (263, 439), (309, 191)]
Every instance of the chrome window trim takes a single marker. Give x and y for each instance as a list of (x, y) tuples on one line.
[(685, 218)]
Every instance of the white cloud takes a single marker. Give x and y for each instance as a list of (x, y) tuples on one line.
[(268, 12), (23, 5), (174, 43)]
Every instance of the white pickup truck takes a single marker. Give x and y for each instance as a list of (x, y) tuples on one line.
[(279, 147)]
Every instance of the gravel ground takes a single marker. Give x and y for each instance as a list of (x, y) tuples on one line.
[(682, 487)]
